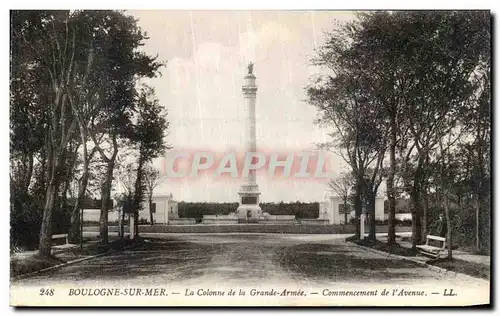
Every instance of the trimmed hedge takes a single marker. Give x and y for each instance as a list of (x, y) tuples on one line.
[(198, 209)]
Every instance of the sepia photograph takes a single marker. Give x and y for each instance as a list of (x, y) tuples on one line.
[(331, 158)]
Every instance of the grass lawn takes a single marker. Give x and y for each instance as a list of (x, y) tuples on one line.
[(395, 249), (474, 269), (22, 263)]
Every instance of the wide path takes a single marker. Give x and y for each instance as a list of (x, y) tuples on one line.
[(311, 262)]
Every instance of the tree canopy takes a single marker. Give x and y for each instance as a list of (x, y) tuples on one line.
[(408, 86)]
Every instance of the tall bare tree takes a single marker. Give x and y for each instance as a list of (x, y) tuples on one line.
[(342, 185), (153, 179), (342, 100), (148, 138)]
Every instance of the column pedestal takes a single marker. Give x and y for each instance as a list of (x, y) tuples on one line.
[(249, 210)]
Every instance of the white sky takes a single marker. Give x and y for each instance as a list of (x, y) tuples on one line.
[(207, 53)]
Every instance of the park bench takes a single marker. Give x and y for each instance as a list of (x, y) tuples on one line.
[(432, 251), (62, 247)]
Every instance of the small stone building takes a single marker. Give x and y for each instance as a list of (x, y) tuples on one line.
[(332, 209), (165, 209)]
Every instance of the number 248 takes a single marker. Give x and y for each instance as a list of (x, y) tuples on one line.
[(46, 292)]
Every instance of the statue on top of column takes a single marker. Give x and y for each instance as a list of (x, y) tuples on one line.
[(250, 68)]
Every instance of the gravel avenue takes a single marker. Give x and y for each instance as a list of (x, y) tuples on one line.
[(202, 262)]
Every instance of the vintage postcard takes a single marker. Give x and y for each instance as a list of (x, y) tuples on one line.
[(250, 158)]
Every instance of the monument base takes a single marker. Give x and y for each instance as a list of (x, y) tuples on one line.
[(249, 213)]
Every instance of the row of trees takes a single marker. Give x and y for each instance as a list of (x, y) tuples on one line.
[(76, 103), (407, 95)]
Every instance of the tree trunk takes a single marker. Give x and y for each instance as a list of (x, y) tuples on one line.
[(41, 175), (121, 220), (106, 189), (105, 196), (74, 230), (67, 182), (345, 211), (478, 211), (151, 209), (425, 209), (74, 233), (54, 157), (138, 194), (480, 176), (45, 244), (59, 132), (123, 223), (358, 206), (371, 213), (103, 218), (448, 224), (136, 224), (391, 192), (416, 228), (28, 173)]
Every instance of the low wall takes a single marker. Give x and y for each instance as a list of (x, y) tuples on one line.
[(182, 221), (217, 221), (220, 217), (309, 221), (278, 222), (253, 228), (277, 218), (285, 217)]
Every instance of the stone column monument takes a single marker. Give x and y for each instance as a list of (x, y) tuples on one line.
[(249, 209)]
